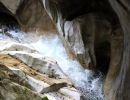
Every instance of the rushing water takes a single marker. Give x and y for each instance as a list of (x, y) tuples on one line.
[(87, 82)]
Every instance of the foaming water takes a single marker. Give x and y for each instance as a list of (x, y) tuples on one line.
[(3, 36), (14, 35), (89, 84), (19, 36), (85, 81)]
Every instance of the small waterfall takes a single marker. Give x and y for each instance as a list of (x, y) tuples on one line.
[(87, 82)]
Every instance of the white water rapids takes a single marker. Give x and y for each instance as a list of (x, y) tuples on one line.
[(86, 81)]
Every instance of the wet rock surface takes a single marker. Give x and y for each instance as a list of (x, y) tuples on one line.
[(91, 33), (25, 74)]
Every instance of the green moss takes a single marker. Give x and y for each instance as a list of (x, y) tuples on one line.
[(45, 98)]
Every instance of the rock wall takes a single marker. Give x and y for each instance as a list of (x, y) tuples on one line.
[(30, 14), (121, 83), (90, 32), (26, 74)]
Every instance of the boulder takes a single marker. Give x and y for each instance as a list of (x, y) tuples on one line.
[(37, 75), (12, 87)]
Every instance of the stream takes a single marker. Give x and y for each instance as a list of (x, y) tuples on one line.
[(88, 82)]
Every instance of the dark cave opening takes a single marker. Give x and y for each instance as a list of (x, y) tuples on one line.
[(102, 52), (8, 22), (75, 8)]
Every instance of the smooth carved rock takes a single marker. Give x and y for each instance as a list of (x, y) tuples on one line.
[(33, 17), (86, 36), (72, 34), (114, 67), (121, 84), (85, 33), (12, 5), (27, 16)]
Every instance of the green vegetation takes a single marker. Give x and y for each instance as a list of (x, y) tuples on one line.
[(45, 98)]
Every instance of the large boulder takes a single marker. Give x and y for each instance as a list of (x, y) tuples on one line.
[(14, 88), (85, 35), (37, 75)]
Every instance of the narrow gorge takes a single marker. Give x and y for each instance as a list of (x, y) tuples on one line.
[(64, 49)]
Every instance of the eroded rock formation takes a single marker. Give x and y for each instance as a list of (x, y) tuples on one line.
[(121, 84), (24, 76), (30, 14), (93, 32)]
